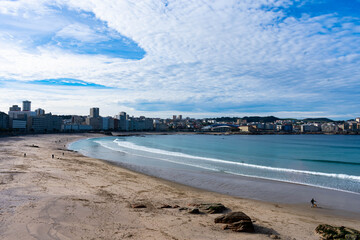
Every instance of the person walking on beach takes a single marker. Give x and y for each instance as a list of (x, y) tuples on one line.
[(313, 203)]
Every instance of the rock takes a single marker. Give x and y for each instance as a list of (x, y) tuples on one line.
[(194, 211), (232, 217), (329, 232), (241, 226), (273, 236), (165, 206), (236, 221), (138, 205), (212, 207), (183, 208), (176, 206)]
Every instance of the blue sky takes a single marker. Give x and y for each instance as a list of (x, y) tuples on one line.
[(199, 58)]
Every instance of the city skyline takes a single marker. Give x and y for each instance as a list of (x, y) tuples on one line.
[(159, 58)]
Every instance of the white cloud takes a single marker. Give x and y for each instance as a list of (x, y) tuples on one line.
[(80, 32), (240, 51)]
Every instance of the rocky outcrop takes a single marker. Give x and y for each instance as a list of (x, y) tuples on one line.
[(236, 221), (212, 207), (165, 206), (194, 211), (329, 232)]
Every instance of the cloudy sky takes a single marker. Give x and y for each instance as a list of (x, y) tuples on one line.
[(199, 58)]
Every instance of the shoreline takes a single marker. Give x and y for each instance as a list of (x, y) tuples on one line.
[(329, 200), (73, 197), (251, 187)]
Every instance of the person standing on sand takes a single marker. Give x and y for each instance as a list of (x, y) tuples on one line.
[(313, 203)]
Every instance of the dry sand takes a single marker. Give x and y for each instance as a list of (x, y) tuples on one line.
[(76, 197)]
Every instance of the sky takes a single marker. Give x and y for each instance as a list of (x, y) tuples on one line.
[(198, 58)]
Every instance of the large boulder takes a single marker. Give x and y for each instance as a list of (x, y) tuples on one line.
[(330, 232), (241, 226), (232, 217), (236, 221)]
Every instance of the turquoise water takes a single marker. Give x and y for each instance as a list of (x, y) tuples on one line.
[(327, 161)]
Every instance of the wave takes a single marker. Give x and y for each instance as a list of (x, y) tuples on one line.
[(136, 147), (108, 147), (229, 172), (328, 161)]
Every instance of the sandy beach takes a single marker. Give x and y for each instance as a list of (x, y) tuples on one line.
[(70, 196)]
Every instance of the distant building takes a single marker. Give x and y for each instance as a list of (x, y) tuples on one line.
[(248, 128), (287, 128), (75, 128), (18, 125), (94, 120), (309, 128), (44, 123), (344, 126), (14, 108), (26, 105), (159, 126), (4, 121), (108, 123), (357, 119), (94, 112), (95, 123), (39, 112), (123, 124)]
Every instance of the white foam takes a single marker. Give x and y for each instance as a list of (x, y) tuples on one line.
[(133, 146), (109, 147)]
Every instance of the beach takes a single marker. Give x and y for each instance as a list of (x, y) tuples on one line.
[(70, 196)]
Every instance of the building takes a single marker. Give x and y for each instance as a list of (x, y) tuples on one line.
[(44, 123), (309, 128), (15, 108), (26, 105), (39, 112), (4, 121), (329, 128), (94, 112), (18, 125), (247, 128), (94, 120), (287, 128), (123, 124), (95, 123), (75, 128), (16, 113), (108, 123)]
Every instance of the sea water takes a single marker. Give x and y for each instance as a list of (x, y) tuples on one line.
[(325, 161)]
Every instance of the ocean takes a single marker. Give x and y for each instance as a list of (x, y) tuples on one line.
[(322, 161)]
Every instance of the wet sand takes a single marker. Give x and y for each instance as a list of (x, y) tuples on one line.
[(72, 196)]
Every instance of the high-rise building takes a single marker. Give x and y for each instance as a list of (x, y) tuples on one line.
[(94, 112), (26, 105), (123, 121)]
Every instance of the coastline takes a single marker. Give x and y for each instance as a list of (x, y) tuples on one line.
[(74, 197)]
